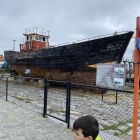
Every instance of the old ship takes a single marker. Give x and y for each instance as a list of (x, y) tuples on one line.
[(75, 61)]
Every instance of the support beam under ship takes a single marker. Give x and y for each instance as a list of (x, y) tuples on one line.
[(75, 62)]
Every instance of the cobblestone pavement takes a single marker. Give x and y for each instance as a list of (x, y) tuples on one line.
[(16, 123)]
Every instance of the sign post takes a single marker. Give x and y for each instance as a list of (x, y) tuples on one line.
[(136, 80)]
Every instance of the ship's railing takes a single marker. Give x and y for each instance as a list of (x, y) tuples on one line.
[(36, 30), (91, 38)]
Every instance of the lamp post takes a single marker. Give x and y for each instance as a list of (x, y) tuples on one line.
[(14, 44)]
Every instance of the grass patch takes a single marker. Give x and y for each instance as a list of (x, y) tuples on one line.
[(116, 127), (117, 133), (55, 110), (23, 98)]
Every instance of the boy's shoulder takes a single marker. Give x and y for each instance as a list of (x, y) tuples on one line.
[(98, 138)]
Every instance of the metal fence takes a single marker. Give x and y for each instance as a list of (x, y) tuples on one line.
[(113, 108), (57, 100), (29, 94), (114, 119)]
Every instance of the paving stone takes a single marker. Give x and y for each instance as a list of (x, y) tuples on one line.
[(2, 135), (122, 127), (23, 124)]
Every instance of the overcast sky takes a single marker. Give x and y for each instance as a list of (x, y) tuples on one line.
[(67, 20)]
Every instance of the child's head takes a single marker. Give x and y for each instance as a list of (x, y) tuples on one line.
[(86, 128)]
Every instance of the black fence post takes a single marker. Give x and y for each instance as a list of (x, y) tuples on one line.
[(102, 95), (45, 97), (6, 88), (116, 97), (66, 116), (68, 102)]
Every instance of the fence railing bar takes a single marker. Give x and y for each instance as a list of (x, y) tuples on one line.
[(55, 117), (98, 87), (25, 77), (60, 82)]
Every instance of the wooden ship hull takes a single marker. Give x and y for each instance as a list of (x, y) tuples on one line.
[(74, 62)]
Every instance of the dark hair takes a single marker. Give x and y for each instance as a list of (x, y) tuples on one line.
[(88, 124)]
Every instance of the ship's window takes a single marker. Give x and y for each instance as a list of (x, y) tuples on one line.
[(36, 37), (43, 38), (40, 38)]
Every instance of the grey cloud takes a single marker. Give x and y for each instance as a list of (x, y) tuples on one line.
[(68, 20)]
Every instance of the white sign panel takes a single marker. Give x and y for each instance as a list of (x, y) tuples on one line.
[(110, 75)]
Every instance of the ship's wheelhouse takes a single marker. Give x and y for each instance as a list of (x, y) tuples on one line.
[(35, 39)]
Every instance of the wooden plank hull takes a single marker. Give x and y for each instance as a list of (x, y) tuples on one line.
[(82, 77)]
